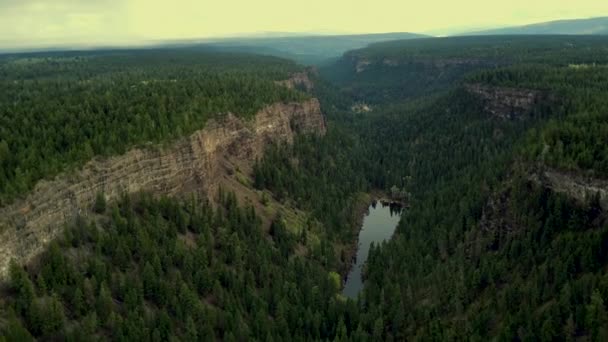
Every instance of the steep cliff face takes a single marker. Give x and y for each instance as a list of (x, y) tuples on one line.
[(507, 103), (194, 164), (497, 219)]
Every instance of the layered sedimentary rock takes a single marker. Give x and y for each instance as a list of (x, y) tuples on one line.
[(193, 164)]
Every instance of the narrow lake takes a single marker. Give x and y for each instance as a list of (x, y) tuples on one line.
[(378, 225)]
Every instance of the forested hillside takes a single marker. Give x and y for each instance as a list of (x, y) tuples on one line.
[(471, 132), (59, 110), (158, 270), (575, 141)]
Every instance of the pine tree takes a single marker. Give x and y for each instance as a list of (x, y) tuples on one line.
[(191, 330), (100, 203), (54, 316), (378, 329), (596, 319), (569, 329), (78, 302), (14, 331), (22, 285), (104, 302)]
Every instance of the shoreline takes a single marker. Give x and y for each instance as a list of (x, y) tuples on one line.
[(360, 211), (349, 250)]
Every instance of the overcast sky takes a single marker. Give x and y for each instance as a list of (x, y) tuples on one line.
[(59, 22)]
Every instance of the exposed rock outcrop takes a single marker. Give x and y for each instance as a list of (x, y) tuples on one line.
[(495, 218), (298, 80), (193, 164), (362, 65), (576, 186), (507, 103), (361, 108)]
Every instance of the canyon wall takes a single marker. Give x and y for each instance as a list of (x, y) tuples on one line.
[(506, 103), (362, 63), (193, 164)]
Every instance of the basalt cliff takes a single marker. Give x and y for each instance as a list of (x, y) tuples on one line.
[(194, 164)]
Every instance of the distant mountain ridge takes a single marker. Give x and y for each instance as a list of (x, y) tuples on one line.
[(311, 49), (302, 47), (590, 26), (322, 49)]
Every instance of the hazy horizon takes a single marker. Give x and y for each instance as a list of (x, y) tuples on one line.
[(50, 23)]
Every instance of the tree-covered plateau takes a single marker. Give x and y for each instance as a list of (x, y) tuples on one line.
[(60, 110)]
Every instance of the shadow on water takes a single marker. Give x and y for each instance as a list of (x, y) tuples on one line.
[(378, 225)]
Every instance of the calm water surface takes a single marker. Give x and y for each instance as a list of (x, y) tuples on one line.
[(378, 225)]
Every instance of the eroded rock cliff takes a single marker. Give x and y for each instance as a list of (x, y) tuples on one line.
[(194, 164), (507, 103)]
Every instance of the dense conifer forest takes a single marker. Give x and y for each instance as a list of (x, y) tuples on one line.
[(486, 249), (158, 270)]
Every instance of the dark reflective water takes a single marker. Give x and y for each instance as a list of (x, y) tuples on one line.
[(378, 225)]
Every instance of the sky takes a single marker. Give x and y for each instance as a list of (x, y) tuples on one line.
[(34, 23)]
